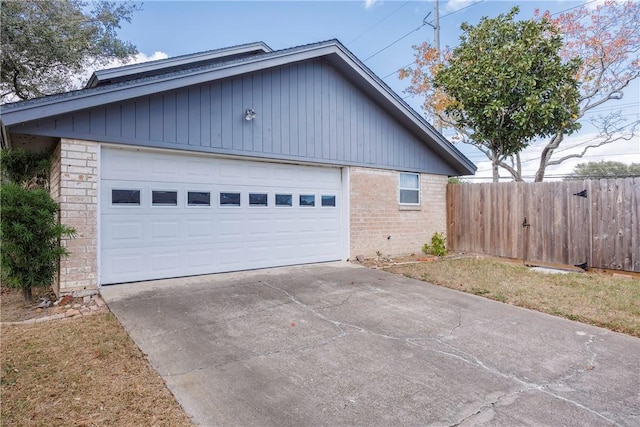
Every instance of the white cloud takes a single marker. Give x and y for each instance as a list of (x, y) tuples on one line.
[(81, 79), (136, 59), (453, 5), (369, 3)]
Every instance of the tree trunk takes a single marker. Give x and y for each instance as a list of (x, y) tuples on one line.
[(26, 293), (495, 166)]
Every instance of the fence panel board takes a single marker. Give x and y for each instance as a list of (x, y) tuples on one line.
[(601, 230)]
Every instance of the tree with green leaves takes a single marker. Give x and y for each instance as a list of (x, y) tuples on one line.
[(46, 43), (604, 169), (606, 38), (29, 229), (506, 84)]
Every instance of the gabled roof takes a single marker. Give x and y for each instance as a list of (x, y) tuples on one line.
[(136, 81), (163, 66)]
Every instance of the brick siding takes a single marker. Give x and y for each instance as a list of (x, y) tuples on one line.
[(379, 223), (74, 185)]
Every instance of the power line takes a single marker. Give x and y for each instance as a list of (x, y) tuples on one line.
[(424, 22), (590, 156), (377, 23), (574, 146), (473, 4), (574, 7), (461, 9), (430, 23), (391, 44)]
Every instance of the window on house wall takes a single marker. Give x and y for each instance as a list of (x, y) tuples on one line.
[(409, 189)]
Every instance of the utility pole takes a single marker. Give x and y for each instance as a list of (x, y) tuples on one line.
[(436, 40), (436, 27)]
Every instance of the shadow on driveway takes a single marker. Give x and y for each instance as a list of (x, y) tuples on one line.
[(338, 344)]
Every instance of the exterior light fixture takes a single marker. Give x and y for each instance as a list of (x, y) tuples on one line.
[(250, 114)]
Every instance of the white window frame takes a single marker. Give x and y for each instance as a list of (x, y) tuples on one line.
[(126, 205), (401, 188), (220, 205), (163, 205), (262, 193), (197, 206)]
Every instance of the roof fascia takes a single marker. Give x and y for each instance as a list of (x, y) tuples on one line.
[(131, 70), (84, 99), (278, 58), (397, 102)]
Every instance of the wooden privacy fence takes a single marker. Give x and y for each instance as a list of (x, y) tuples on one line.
[(592, 223)]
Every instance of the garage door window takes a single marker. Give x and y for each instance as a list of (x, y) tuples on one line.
[(307, 200), (328, 201), (284, 200), (164, 198), (199, 198), (229, 199), (257, 199), (409, 189), (125, 197)]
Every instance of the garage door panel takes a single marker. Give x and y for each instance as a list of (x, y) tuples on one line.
[(167, 261), (126, 230), (201, 170), (199, 229), (229, 230), (144, 242), (230, 255), (165, 231), (121, 261), (200, 258)]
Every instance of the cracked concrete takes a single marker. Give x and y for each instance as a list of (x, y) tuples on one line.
[(337, 344)]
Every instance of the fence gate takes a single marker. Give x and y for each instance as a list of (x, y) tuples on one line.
[(590, 223), (556, 223)]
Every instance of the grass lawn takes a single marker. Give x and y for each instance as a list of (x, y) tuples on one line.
[(80, 372), (599, 299)]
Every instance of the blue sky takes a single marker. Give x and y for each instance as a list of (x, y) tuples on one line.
[(380, 33)]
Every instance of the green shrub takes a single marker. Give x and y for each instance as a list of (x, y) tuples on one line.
[(30, 169), (438, 246), (30, 235)]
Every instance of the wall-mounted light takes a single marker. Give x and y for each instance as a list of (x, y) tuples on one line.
[(250, 114)]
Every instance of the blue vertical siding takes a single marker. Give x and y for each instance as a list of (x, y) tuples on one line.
[(307, 111)]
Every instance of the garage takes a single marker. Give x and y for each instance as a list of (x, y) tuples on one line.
[(238, 158), (164, 214)]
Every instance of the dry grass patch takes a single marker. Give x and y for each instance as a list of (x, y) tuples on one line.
[(599, 299), (14, 308), (83, 372)]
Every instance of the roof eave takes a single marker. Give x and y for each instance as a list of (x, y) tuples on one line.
[(331, 48), (136, 69)]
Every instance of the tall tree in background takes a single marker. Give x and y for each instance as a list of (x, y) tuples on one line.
[(606, 38), (506, 84), (604, 169), (45, 43), (608, 41)]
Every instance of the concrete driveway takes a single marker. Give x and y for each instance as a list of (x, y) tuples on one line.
[(337, 344)]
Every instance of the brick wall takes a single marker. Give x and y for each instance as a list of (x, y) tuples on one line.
[(379, 223), (74, 184), (54, 191)]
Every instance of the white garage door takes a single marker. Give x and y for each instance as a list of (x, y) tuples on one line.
[(170, 215)]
